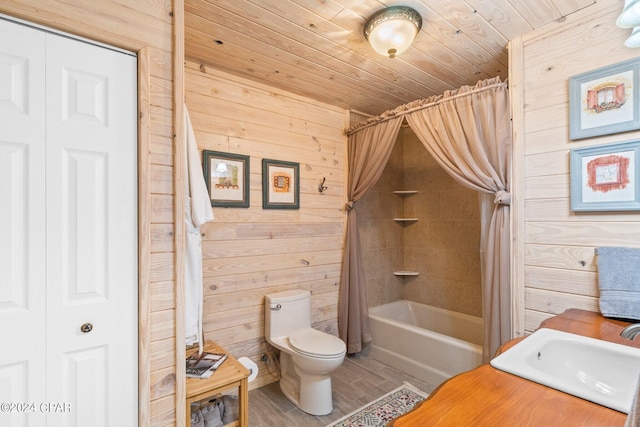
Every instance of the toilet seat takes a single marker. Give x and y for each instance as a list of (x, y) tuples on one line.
[(314, 343)]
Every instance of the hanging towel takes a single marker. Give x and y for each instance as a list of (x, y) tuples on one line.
[(619, 282), (197, 212)]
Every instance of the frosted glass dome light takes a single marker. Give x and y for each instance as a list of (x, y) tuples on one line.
[(391, 31)]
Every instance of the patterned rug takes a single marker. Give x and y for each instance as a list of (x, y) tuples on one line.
[(382, 410)]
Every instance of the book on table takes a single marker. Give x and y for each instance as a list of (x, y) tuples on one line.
[(203, 365)]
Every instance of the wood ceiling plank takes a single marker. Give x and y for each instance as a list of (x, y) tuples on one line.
[(503, 16), (366, 8), (537, 13), (326, 9), (465, 60), (450, 38), (466, 19), (565, 7)]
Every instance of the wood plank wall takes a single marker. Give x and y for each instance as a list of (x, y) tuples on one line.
[(144, 25), (250, 252), (555, 250)]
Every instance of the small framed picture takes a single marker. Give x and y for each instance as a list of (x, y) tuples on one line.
[(280, 184), (606, 177), (227, 178), (605, 101)]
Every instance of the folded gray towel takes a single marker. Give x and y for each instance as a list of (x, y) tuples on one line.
[(619, 282)]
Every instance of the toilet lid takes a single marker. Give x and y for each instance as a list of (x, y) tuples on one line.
[(316, 343)]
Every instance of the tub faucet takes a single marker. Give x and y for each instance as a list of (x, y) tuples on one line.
[(631, 331)]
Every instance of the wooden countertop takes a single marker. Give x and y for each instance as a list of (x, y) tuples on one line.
[(486, 396)]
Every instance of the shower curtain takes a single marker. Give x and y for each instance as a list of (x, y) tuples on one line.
[(370, 151), (468, 132)]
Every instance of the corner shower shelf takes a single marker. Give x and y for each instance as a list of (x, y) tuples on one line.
[(406, 273), (405, 193)]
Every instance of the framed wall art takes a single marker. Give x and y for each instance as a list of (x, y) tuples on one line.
[(606, 177), (227, 178), (280, 184), (605, 101)]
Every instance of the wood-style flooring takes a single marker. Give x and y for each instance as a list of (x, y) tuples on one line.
[(357, 382)]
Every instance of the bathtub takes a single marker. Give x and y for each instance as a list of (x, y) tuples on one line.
[(427, 342)]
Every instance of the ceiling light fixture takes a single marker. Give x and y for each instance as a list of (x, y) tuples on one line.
[(391, 31), (630, 16)]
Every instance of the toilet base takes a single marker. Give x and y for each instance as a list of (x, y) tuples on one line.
[(313, 395), (310, 393)]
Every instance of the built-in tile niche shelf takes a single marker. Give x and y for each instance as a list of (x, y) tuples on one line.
[(406, 273)]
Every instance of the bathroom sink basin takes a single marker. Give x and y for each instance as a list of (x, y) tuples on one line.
[(599, 371)]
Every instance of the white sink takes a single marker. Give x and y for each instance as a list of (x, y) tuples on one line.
[(595, 370)]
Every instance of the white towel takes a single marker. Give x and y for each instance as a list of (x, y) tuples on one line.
[(198, 211)]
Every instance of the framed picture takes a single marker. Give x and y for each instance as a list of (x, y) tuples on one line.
[(605, 100), (606, 177), (227, 178), (280, 184)]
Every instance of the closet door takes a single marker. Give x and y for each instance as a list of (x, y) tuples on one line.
[(91, 230), (68, 232), (22, 222)]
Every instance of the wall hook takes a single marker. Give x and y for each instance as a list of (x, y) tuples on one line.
[(321, 186)]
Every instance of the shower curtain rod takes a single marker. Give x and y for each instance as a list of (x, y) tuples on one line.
[(425, 103)]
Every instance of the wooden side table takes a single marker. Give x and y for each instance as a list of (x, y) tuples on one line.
[(231, 374)]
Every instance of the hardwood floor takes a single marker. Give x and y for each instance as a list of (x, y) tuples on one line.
[(357, 382)]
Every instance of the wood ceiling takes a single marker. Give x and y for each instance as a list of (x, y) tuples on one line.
[(315, 48)]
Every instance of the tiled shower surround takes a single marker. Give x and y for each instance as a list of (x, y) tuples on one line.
[(442, 246)]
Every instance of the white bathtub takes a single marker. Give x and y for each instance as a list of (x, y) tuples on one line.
[(427, 342)]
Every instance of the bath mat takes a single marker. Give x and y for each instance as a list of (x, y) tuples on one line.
[(384, 409)]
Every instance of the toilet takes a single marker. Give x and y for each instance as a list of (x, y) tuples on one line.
[(307, 356)]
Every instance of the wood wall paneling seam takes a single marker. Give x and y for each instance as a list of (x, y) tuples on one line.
[(179, 203)]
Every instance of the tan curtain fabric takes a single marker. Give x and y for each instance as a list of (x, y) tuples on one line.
[(368, 153), (469, 133)]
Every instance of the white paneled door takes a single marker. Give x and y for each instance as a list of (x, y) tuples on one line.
[(68, 232)]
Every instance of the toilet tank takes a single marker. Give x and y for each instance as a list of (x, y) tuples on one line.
[(286, 312)]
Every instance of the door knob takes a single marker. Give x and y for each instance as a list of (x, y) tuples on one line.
[(86, 327)]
